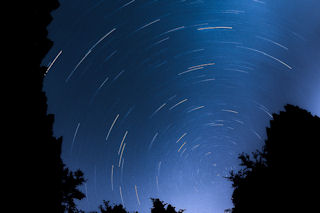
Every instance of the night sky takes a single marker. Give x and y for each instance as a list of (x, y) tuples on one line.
[(156, 98)]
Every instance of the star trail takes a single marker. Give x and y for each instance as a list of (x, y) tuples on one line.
[(156, 98)]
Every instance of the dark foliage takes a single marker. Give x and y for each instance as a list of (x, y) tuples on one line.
[(160, 207), (45, 184), (281, 178), (69, 191), (107, 208)]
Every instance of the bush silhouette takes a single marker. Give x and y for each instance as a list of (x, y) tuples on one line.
[(69, 190), (281, 177), (160, 207), (107, 208)]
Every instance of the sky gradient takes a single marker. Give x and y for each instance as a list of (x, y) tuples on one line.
[(158, 98)]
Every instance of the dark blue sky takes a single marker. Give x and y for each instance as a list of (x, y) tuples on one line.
[(158, 98)]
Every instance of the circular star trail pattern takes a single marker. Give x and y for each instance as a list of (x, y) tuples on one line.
[(158, 98)]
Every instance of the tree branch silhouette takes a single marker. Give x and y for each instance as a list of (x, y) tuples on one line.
[(280, 177)]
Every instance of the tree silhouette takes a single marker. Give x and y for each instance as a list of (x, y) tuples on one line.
[(159, 207), (70, 192), (281, 177), (48, 186), (107, 208)]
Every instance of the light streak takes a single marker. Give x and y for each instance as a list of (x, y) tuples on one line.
[(124, 145), (184, 134), (200, 107), (54, 60), (153, 139), (212, 28), (76, 67), (74, 136), (121, 195), (181, 146), (273, 42), (270, 56), (190, 70), (112, 177), (124, 137), (86, 55), (135, 188), (178, 104), (127, 4), (201, 65), (144, 26), (228, 110), (112, 126)]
